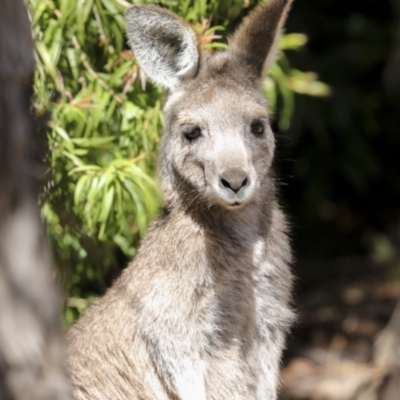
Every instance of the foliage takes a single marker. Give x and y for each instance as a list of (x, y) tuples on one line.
[(100, 192)]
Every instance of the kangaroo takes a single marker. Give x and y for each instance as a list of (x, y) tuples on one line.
[(203, 309)]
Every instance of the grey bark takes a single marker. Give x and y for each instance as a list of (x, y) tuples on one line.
[(31, 345)]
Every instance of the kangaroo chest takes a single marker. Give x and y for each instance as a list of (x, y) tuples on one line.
[(233, 302)]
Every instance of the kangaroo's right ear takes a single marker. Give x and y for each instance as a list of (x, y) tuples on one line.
[(164, 45)]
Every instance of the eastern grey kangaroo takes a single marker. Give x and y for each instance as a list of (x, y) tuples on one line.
[(203, 309)]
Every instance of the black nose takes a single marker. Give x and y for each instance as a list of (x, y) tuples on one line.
[(234, 179)]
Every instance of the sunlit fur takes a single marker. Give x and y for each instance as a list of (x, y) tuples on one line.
[(203, 309)]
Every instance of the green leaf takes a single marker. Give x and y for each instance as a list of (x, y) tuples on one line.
[(292, 41), (107, 204), (46, 59), (80, 188), (73, 158)]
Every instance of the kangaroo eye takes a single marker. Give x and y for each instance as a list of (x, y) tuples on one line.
[(191, 132), (257, 127)]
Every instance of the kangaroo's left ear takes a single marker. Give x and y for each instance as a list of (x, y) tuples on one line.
[(255, 44), (164, 45)]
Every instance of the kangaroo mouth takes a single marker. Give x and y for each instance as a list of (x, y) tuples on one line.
[(235, 205), (229, 201)]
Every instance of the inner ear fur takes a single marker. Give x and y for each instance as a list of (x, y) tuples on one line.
[(255, 43), (165, 46)]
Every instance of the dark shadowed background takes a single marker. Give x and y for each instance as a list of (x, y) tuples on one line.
[(341, 185)]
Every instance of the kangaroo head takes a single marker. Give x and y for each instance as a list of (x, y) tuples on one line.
[(218, 144)]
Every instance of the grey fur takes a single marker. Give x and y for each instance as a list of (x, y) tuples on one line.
[(203, 309)]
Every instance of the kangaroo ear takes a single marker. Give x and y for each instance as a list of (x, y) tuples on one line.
[(255, 43), (164, 45)]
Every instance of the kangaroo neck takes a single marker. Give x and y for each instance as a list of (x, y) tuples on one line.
[(239, 226)]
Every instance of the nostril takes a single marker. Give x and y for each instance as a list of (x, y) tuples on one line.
[(225, 183), (244, 183)]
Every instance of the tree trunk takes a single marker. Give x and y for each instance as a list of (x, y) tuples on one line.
[(387, 355), (31, 345)]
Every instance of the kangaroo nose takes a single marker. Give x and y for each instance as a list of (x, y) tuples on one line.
[(234, 179)]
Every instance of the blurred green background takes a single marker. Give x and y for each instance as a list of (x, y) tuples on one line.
[(335, 91)]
